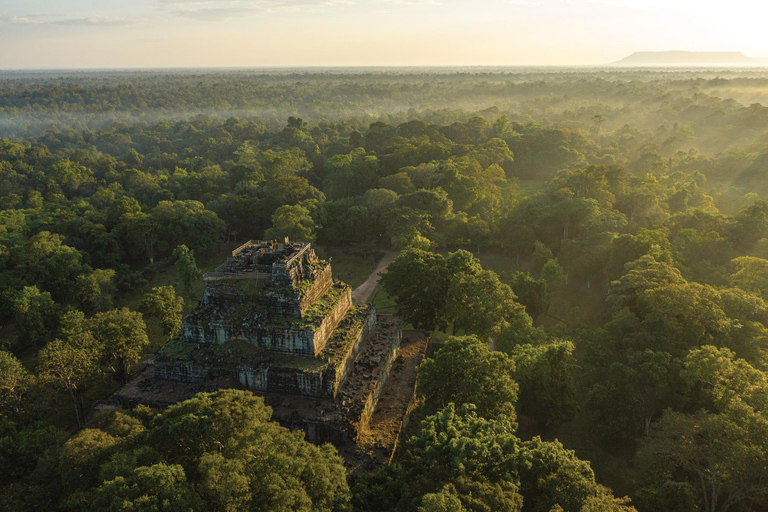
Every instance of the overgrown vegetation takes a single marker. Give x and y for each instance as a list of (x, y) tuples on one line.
[(591, 249)]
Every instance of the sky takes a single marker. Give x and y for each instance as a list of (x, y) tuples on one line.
[(62, 34)]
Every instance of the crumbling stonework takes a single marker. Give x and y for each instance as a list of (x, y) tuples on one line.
[(273, 320)]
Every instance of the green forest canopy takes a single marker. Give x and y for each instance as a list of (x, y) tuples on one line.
[(606, 231)]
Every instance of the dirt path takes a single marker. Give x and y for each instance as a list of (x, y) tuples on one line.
[(363, 292)]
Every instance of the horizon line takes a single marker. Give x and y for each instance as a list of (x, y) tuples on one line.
[(611, 65)]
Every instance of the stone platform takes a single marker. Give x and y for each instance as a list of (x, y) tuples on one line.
[(274, 321), (363, 421)]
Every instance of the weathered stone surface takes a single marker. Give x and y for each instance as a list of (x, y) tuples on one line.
[(272, 320)]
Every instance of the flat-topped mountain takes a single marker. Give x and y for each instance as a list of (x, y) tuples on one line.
[(681, 58)]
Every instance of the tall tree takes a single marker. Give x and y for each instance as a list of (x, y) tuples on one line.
[(465, 371), (36, 315), (15, 382), (478, 303), (293, 222), (418, 280), (121, 335), (70, 367), (187, 267), (721, 457), (163, 303), (546, 375)]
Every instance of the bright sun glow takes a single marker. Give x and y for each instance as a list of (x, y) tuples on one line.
[(149, 33)]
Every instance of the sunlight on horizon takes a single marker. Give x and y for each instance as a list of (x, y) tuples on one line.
[(223, 33)]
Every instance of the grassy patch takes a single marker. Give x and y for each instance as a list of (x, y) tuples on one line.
[(169, 276), (353, 269), (530, 187), (382, 301), (497, 262)]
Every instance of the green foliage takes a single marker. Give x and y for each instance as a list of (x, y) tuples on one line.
[(751, 275), (15, 384), (419, 281), (36, 315), (478, 303), (69, 367), (121, 335), (553, 274), (217, 451), (628, 395), (187, 265), (156, 487), (546, 375), (163, 303), (95, 290), (719, 457), (433, 292), (655, 213), (530, 292), (293, 222), (457, 456), (465, 371)]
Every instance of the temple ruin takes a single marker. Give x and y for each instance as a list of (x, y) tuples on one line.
[(273, 320)]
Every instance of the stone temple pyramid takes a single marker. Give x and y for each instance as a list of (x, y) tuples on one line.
[(273, 320)]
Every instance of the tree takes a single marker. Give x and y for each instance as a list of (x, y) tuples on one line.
[(68, 176), (719, 456), (156, 487), (751, 274), (186, 222), (553, 478), (465, 371), (293, 222), (187, 267), (121, 335), (629, 395), (216, 451), (481, 304), (455, 443), (457, 455), (546, 375), (465, 494), (36, 315), (95, 290), (530, 292), (553, 274), (443, 501), (655, 308), (15, 382), (418, 280), (718, 378), (70, 367), (163, 303), (51, 265), (541, 255), (142, 232)]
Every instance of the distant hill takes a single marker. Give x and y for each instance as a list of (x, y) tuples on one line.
[(679, 58)]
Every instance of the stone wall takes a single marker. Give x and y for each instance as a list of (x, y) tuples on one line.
[(298, 341), (342, 371), (273, 301), (327, 382), (282, 380), (378, 385), (317, 431), (276, 339), (320, 284), (183, 371), (325, 330)]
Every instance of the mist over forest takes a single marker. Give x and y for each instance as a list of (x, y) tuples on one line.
[(587, 249)]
